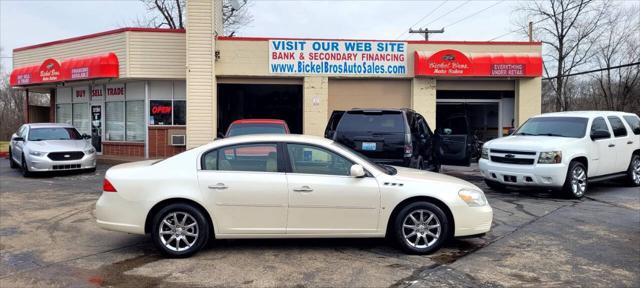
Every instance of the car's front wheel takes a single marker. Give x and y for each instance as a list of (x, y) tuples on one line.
[(576, 180), (633, 171), (421, 228), (180, 230), (494, 185), (25, 168)]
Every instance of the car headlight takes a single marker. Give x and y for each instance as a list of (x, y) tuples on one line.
[(552, 157), (36, 153), (90, 151), (473, 198), (485, 153)]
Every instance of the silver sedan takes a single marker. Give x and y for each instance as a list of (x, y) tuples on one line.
[(43, 147)]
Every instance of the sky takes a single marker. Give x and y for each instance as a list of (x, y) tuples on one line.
[(29, 22)]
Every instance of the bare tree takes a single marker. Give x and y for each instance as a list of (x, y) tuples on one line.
[(568, 30), (11, 106), (619, 88), (171, 14)]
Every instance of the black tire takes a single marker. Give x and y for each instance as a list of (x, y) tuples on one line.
[(632, 178), (576, 184), (419, 163), (91, 170), (25, 168), (426, 243), (496, 186), (12, 163), (201, 230)]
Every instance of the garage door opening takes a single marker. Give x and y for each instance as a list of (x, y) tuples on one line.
[(271, 101)]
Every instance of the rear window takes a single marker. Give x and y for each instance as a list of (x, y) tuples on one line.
[(247, 129), (385, 122), (633, 121)]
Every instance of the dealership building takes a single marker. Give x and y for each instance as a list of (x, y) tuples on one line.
[(155, 92)]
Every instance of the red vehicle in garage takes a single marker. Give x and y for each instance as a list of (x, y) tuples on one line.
[(257, 126)]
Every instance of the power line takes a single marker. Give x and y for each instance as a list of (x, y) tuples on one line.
[(474, 14), (592, 71), (419, 21), (448, 13)]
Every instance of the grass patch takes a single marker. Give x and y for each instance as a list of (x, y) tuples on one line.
[(4, 146)]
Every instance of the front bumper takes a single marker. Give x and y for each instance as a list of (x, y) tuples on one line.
[(472, 220), (536, 175), (43, 163)]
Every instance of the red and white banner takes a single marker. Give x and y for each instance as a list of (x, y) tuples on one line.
[(454, 63)]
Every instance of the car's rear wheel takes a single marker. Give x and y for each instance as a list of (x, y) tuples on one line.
[(12, 163), (25, 168), (576, 180), (421, 228), (496, 186), (633, 171), (180, 230)]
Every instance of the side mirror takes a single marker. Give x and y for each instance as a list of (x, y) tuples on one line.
[(357, 171), (635, 130), (599, 134), (85, 136), (447, 131), (18, 138)]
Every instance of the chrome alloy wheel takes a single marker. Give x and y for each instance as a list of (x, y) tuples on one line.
[(579, 181), (178, 231), (421, 229), (635, 170)]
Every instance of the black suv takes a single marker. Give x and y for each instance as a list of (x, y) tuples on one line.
[(390, 136)]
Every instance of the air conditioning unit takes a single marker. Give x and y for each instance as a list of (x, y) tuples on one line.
[(177, 140)]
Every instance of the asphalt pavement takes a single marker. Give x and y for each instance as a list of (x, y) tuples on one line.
[(48, 238)]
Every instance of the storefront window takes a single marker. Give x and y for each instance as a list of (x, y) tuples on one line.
[(180, 112), (135, 121), (63, 113), (81, 117), (115, 121), (160, 112)]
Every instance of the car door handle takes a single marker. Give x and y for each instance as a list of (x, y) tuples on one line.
[(219, 186), (611, 145), (303, 189), (630, 142)]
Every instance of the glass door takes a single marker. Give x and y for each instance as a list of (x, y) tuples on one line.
[(96, 127)]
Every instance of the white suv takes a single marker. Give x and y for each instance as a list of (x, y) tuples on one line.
[(565, 150)]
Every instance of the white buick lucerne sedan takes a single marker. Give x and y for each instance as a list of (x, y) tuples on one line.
[(286, 186)]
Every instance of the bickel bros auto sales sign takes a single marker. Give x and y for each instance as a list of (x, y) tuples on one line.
[(328, 57)]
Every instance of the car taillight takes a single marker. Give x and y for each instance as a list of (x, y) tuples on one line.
[(107, 187), (408, 146)]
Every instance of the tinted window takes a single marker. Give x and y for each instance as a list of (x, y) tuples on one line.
[(633, 121), (554, 126), (313, 160), (180, 112), (38, 134), (247, 129), (210, 160), (599, 124), (250, 157), (387, 121), (458, 125), (617, 126)]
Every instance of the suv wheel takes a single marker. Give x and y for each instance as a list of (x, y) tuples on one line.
[(180, 230), (633, 171), (576, 180), (421, 228), (496, 186), (12, 163)]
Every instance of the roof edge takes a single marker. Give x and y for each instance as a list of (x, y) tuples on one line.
[(94, 35), (237, 38)]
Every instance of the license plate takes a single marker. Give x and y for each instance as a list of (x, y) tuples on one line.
[(368, 146)]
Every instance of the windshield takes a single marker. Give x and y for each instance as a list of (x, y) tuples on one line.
[(387, 169), (247, 129), (54, 133), (573, 127)]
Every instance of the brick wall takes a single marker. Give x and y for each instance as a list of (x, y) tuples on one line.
[(135, 149), (159, 142)]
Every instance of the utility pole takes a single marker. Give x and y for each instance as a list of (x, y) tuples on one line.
[(427, 32), (529, 31)]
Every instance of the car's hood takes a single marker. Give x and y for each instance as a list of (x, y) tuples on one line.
[(59, 145), (529, 143), (408, 174)]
